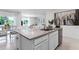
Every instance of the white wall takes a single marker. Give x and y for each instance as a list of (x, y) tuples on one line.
[(71, 31), (32, 15), (18, 20), (7, 13)]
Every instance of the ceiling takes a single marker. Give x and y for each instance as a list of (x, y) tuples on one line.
[(30, 10), (41, 11)]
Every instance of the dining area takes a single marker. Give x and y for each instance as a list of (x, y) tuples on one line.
[(7, 39)]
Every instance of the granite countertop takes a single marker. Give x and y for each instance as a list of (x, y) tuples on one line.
[(33, 34)]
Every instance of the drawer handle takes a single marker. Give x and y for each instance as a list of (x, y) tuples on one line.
[(17, 38), (17, 48)]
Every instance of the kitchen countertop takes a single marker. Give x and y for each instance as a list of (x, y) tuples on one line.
[(33, 34)]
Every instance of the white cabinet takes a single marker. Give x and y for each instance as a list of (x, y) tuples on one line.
[(41, 43), (42, 46), (46, 42), (26, 44), (53, 40), (18, 42), (40, 39)]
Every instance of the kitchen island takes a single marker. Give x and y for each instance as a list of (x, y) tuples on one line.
[(32, 39)]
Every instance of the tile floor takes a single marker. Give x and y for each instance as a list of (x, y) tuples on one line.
[(69, 44), (10, 44)]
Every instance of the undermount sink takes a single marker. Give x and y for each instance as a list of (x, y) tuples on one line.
[(46, 29)]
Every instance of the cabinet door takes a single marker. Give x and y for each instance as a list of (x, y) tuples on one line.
[(26, 44), (42, 46), (53, 40), (18, 42)]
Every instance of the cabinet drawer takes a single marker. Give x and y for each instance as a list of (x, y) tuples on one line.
[(40, 39), (42, 46)]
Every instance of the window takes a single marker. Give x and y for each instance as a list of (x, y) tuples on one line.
[(7, 20), (12, 21), (2, 20), (25, 21)]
